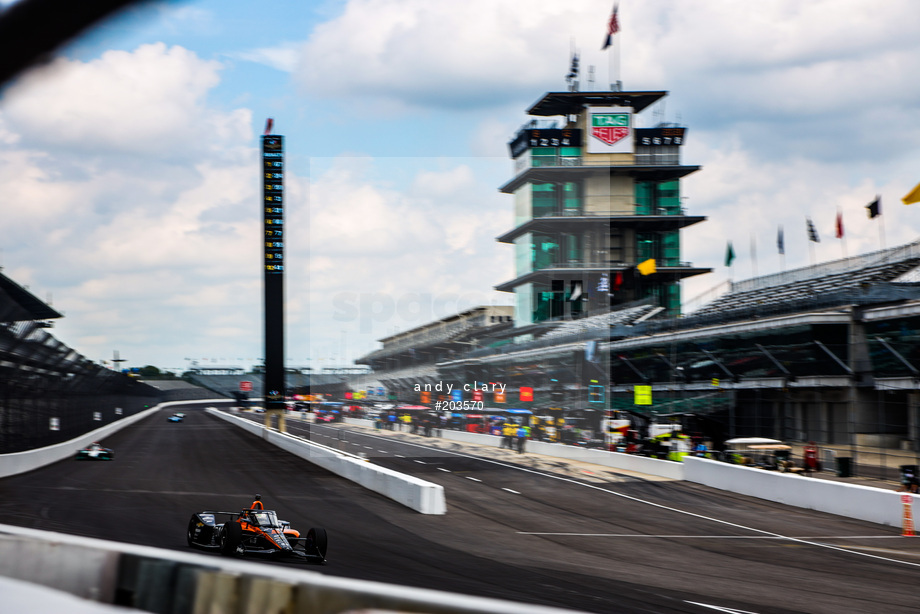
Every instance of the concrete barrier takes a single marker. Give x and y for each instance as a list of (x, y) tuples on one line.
[(614, 460), (420, 495), (849, 500), (21, 462), (157, 580)]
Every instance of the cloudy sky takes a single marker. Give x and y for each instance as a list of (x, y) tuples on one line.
[(129, 166)]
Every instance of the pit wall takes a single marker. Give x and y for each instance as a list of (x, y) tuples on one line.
[(629, 462), (21, 462), (158, 580), (840, 498), (849, 500), (420, 495)]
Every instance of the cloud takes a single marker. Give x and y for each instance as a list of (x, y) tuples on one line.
[(385, 257), (143, 102), (449, 55), (283, 57), (132, 200)]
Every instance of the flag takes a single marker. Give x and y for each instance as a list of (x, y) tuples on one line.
[(913, 196), (875, 207), (812, 231), (613, 26), (268, 126), (573, 70), (839, 225), (780, 241), (729, 254), (647, 267)]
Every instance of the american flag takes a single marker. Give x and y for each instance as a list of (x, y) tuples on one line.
[(613, 26)]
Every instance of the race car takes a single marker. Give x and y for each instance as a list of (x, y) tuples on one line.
[(254, 531), (94, 451), (176, 418)]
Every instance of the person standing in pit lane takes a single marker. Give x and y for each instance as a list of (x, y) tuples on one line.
[(521, 438), (508, 431)]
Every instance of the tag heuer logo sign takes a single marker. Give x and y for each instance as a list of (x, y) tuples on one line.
[(610, 127)]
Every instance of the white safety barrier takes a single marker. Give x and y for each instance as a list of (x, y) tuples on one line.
[(420, 495), (158, 580), (849, 500), (839, 498), (21, 462), (614, 460)]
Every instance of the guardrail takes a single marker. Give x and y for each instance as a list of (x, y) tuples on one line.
[(420, 495), (157, 580)]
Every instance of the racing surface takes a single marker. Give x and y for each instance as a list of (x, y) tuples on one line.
[(518, 527)]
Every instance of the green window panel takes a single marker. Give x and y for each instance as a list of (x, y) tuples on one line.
[(657, 197)]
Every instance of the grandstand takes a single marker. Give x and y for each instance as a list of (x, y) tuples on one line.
[(409, 357), (628, 316), (225, 381), (49, 393), (846, 277), (829, 353)]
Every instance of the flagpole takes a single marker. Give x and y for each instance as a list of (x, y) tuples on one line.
[(841, 233), (881, 231), (616, 62), (753, 254)]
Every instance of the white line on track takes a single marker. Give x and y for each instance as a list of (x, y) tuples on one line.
[(420, 462), (383, 451), (651, 503), (719, 608), (472, 478), (778, 537), (443, 469), (513, 492), (399, 456)]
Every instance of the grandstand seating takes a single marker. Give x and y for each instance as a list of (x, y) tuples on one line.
[(620, 317), (804, 290), (49, 393)]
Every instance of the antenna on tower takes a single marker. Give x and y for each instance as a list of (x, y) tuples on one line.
[(572, 77)]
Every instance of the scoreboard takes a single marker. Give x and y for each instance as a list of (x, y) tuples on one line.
[(273, 266), (273, 203)]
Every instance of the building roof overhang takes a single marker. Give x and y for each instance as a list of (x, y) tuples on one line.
[(18, 304), (662, 273), (565, 103), (548, 174), (581, 222)]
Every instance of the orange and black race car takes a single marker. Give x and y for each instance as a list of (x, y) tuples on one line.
[(255, 531)]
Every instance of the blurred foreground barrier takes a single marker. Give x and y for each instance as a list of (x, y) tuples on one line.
[(173, 582), (21, 462), (849, 500), (420, 495)]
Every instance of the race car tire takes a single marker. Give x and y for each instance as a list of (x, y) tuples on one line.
[(230, 537), (190, 532), (318, 538)]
